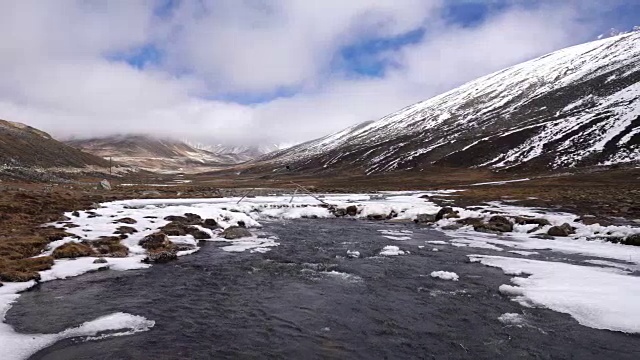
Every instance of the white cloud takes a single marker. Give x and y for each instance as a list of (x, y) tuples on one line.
[(258, 46), (54, 73)]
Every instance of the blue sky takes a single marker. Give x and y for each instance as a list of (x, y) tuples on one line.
[(265, 70)]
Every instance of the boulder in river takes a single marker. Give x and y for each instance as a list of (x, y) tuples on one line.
[(562, 230), (352, 210), (160, 257), (210, 224), (339, 212), (632, 240), (446, 213), (235, 232), (497, 224), (197, 233), (521, 220), (425, 219), (158, 240)]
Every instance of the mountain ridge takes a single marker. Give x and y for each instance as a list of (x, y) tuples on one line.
[(24, 146), (574, 107)]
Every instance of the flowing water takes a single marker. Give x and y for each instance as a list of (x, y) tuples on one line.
[(305, 299)]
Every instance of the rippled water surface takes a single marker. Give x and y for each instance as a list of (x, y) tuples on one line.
[(306, 300)]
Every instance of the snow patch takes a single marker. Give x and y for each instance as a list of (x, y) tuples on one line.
[(445, 275), (601, 298), (392, 251)]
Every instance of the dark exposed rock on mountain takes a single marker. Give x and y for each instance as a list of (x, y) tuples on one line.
[(572, 108)]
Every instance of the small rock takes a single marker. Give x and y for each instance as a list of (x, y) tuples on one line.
[(425, 219), (632, 240), (174, 229), (497, 224), (235, 232), (75, 213), (210, 224), (340, 212), (377, 217), (126, 220), (470, 221), (155, 241), (160, 257), (100, 261), (446, 213), (561, 231), (521, 220), (543, 237), (193, 219), (452, 227), (122, 230), (197, 233), (352, 210)]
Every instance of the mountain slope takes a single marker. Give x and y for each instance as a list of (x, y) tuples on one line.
[(24, 146), (575, 107), (156, 154), (237, 154)]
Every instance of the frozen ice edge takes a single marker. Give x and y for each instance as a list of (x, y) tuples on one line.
[(17, 346), (600, 298)]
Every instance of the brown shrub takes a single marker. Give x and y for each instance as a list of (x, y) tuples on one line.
[(72, 250), (110, 246), (24, 269)]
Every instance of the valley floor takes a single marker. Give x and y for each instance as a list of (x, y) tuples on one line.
[(601, 206)]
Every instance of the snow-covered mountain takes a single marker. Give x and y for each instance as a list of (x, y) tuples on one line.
[(240, 153), (575, 107)]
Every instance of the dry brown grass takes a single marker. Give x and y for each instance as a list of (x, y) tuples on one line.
[(24, 269), (72, 250)]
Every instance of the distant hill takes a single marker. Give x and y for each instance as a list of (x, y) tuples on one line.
[(24, 146), (157, 154)]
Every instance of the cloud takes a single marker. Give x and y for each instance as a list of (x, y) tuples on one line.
[(64, 65)]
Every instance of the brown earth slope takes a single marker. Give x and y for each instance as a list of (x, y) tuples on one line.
[(24, 146)]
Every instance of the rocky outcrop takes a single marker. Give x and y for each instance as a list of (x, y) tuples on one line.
[(210, 224), (446, 213), (563, 230), (126, 230), (180, 229), (235, 232), (160, 257), (155, 241), (521, 220), (425, 219), (109, 246), (496, 224), (126, 220)]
